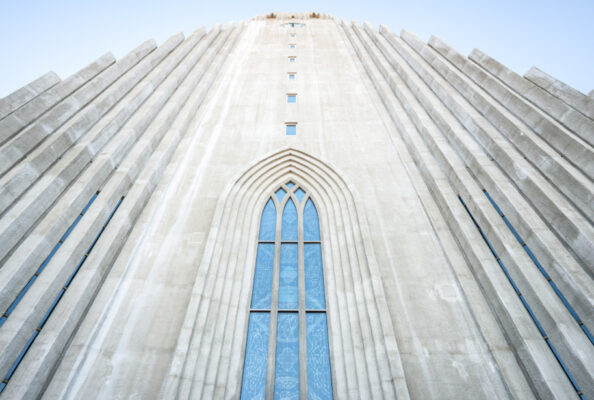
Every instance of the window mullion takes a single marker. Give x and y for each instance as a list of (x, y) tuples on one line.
[(302, 327)]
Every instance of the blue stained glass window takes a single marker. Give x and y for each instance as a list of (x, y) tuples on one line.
[(256, 357), (286, 380), (291, 129), (291, 98), (311, 224), (261, 293), (285, 314), (289, 231), (288, 289), (314, 277), (299, 193), (280, 194), (268, 222), (319, 380)]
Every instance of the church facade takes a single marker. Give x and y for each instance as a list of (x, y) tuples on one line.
[(297, 207)]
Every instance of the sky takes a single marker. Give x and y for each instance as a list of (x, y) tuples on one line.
[(65, 35)]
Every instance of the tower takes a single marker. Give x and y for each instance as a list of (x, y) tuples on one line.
[(453, 201)]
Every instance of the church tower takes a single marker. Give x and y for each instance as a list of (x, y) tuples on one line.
[(297, 207)]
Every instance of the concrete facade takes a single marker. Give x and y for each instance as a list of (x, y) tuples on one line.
[(131, 195)]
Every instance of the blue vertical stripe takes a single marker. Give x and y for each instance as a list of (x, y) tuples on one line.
[(314, 277), (253, 386), (288, 290), (286, 380), (261, 292), (268, 222), (319, 379), (289, 231)]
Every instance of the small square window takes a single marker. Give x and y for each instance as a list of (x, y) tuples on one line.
[(291, 129), (292, 59), (291, 46), (291, 98), (291, 76)]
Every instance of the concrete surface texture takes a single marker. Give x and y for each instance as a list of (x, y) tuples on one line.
[(455, 200)]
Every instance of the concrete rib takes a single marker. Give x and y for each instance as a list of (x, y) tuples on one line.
[(574, 150), (22, 96), (570, 181), (370, 51), (572, 343), (67, 112), (579, 124), (37, 107), (567, 94), (571, 227), (117, 184), (415, 115), (121, 100), (133, 128), (117, 149)]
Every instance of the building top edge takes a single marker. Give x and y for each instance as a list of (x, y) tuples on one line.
[(293, 15)]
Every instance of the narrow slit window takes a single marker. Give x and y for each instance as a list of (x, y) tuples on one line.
[(291, 129), (291, 98), (287, 352)]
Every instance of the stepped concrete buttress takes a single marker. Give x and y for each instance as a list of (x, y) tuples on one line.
[(455, 200)]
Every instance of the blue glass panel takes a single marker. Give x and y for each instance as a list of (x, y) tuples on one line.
[(319, 379), (288, 290), (292, 46), (290, 185), (268, 222), (291, 98), (289, 231), (299, 193), (256, 357), (314, 277), (263, 276), (291, 76), (280, 194), (291, 59), (291, 129), (311, 225), (286, 380)]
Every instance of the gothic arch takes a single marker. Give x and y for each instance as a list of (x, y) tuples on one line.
[(365, 359)]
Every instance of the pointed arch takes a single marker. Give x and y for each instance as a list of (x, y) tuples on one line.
[(210, 351)]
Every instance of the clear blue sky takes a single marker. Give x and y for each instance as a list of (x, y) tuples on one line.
[(65, 35)]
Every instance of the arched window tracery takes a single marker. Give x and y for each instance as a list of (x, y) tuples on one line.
[(287, 349)]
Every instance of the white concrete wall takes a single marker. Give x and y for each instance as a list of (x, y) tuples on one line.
[(405, 127)]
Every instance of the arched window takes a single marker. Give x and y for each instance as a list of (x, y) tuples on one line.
[(287, 353)]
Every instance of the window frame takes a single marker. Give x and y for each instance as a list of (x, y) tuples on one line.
[(274, 310)]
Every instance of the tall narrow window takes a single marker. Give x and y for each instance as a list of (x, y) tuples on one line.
[(287, 351)]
